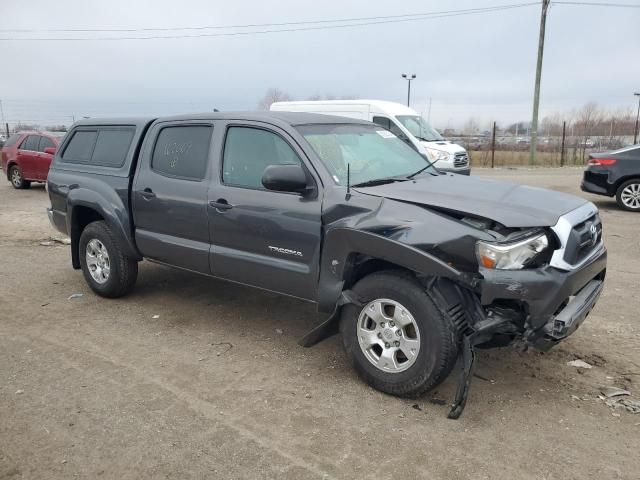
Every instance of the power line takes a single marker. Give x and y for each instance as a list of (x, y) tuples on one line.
[(389, 19), (255, 25)]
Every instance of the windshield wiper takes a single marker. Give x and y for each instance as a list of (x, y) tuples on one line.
[(429, 164), (380, 181)]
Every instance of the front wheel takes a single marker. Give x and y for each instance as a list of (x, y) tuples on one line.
[(106, 269), (628, 195), (17, 179), (399, 341)]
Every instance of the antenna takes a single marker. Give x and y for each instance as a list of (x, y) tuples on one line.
[(348, 195)]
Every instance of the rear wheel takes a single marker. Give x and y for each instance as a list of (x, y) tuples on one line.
[(17, 179), (628, 195), (399, 342), (106, 269)]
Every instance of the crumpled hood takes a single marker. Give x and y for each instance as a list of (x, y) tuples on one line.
[(507, 203)]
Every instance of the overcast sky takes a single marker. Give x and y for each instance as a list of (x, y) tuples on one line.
[(479, 65)]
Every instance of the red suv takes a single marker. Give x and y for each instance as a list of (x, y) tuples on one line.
[(26, 157)]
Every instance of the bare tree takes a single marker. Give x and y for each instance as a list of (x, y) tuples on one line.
[(330, 96), (56, 128), (18, 127), (271, 96), (587, 118)]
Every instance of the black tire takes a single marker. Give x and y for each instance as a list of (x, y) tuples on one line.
[(17, 180), (123, 270), (438, 339), (635, 182)]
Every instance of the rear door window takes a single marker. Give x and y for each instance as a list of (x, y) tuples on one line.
[(30, 143), (45, 142), (80, 146), (182, 151)]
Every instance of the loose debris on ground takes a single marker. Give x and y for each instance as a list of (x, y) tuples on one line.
[(615, 397), (579, 364), (52, 241)]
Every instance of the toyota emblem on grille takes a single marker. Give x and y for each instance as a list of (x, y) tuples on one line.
[(593, 230)]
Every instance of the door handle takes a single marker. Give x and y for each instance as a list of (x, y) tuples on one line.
[(147, 193), (220, 204)]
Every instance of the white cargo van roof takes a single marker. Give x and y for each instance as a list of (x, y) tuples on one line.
[(390, 108)]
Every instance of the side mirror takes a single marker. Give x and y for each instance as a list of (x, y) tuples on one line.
[(284, 178), (50, 150)]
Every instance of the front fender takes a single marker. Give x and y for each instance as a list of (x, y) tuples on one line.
[(342, 244)]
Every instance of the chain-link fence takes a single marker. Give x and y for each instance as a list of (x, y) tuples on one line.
[(551, 151)]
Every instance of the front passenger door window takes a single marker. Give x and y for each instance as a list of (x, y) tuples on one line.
[(249, 151)]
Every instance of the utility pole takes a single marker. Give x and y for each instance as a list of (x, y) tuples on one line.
[(635, 130), (429, 114), (408, 79), (493, 145), (536, 89), (564, 133)]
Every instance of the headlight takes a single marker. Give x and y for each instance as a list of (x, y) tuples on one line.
[(510, 256), (436, 155)]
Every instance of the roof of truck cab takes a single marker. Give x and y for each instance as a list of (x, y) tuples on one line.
[(291, 118)]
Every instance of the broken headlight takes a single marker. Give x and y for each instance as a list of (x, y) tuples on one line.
[(511, 256)]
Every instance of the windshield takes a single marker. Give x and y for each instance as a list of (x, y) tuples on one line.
[(371, 152), (419, 128)]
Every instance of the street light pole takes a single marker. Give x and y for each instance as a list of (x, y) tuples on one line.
[(635, 130), (408, 79)]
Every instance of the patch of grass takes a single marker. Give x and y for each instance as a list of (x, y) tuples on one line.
[(506, 158)]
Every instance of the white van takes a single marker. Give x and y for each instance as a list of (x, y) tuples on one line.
[(399, 119)]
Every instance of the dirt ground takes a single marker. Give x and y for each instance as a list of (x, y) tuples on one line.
[(191, 377)]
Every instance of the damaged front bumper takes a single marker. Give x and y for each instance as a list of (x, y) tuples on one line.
[(547, 304)]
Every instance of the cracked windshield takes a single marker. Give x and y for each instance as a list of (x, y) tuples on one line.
[(372, 153)]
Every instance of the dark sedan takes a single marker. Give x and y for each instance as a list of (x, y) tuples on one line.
[(616, 174)]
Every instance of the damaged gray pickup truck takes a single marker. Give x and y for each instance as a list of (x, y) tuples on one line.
[(414, 267)]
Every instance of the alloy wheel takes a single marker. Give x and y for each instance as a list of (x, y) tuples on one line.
[(388, 335), (98, 262), (630, 195), (16, 177)]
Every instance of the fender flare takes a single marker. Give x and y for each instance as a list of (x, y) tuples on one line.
[(341, 245), (112, 210)]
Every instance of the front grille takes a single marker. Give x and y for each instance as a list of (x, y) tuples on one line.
[(583, 239), (460, 159)]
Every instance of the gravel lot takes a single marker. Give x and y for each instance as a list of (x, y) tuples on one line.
[(190, 377)]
